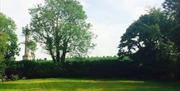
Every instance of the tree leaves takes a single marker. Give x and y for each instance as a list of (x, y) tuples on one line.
[(8, 26), (60, 25), (149, 34)]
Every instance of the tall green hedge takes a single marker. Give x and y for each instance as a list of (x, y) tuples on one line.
[(107, 67)]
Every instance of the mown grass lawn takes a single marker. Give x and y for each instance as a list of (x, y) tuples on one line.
[(86, 85)]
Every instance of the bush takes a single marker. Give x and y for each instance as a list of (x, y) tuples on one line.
[(96, 67), (2, 70)]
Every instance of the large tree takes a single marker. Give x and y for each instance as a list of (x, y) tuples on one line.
[(148, 37), (147, 43), (8, 27), (61, 26)]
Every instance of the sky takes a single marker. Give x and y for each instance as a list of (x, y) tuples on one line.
[(109, 20)]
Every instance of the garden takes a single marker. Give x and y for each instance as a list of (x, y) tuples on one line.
[(147, 59)]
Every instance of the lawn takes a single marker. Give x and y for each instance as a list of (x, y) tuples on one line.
[(61, 84)]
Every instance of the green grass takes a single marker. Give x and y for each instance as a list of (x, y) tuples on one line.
[(86, 85)]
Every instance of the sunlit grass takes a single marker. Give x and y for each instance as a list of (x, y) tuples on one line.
[(61, 84)]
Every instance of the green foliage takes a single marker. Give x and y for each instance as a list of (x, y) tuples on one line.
[(60, 25), (8, 26), (174, 36), (2, 70), (26, 31), (172, 8), (31, 45), (3, 49), (74, 67), (3, 45), (147, 42), (148, 34), (94, 67)]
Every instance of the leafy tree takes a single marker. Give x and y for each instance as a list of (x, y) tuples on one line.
[(175, 36), (148, 36), (3, 49), (8, 26), (147, 42), (60, 25)]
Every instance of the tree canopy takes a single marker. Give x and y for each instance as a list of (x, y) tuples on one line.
[(61, 27), (172, 7), (3, 45), (7, 26), (148, 37)]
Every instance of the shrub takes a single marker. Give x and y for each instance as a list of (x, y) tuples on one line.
[(94, 67), (2, 70)]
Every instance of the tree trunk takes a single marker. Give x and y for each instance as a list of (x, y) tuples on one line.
[(50, 47), (52, 55), (57, 42), (64, 51), (63, 57), (57, 55)]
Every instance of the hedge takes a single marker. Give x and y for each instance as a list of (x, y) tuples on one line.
[(92, 68)]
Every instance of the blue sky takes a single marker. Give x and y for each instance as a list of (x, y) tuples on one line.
[(109, 19)]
